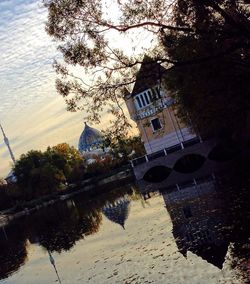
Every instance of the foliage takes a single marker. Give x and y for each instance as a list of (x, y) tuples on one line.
[(211, 88), (68, 159), (102, 165), (6, 200), (204, 43), (39, 173), (121, 151), (127, 148)]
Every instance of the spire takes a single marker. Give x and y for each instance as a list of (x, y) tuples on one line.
[(6, 141)]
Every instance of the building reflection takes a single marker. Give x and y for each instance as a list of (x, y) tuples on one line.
[(197, 213), (117, 211)]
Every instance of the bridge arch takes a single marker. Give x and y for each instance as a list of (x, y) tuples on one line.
[(157, 174), (223, 153), (189, 163)]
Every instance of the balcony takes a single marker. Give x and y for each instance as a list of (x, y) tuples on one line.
[(153, 108)]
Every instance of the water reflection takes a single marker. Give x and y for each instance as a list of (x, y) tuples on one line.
[(196, 211), (57, 228), (13, 250), (210, 218), (118, 211)]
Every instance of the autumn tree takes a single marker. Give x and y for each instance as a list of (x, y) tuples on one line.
[(68, 159), (204, 44), (36, 175), (39, 173)]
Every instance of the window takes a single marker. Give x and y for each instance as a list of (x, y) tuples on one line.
[(155, 93), (150, 95), (143, 101), (138, 102), (146, 98), (156, 124)]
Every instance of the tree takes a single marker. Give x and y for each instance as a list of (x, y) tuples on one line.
[(211, 86), (36, 175), (194, 39), (39, 173), (68, 159)]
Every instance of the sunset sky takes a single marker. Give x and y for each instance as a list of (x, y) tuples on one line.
[(31, 112)]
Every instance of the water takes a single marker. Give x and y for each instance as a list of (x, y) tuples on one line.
[(197, 234)]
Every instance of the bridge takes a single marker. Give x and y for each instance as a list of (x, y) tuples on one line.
[(177, 166)]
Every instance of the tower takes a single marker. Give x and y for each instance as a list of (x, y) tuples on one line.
[(6, 141)]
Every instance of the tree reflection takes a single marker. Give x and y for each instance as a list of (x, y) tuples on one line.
[(237, 183), (58, 228), (63, 225), (13, 250)]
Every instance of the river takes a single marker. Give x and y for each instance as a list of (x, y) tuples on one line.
[(197, 234)]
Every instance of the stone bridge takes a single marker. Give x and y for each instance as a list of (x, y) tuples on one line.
[(168, 159)]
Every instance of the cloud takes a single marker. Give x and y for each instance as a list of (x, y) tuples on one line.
[(31, 112), (26, 54), (26, 76)]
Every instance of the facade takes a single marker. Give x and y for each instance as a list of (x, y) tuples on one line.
[(151, 107)]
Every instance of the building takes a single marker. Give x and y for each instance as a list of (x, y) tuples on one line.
[(91, 140), (151, 107)]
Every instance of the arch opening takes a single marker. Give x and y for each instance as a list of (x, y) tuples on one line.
[(223, 153), (189, 163), (157, 174)]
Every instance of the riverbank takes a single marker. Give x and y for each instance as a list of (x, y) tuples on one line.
[(92, 187)]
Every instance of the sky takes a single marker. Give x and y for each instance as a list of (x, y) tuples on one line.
[(31, 112), (33, 115)]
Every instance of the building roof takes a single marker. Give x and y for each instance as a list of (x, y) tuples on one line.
[(90, 139), (148, 75)]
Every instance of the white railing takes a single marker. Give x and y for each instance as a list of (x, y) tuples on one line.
[(165, 151), (153, 108)]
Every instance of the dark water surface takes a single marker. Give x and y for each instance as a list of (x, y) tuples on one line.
[(195, 234)]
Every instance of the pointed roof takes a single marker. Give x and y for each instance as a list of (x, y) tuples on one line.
[(90, 138), (117, 212), (148, 75)]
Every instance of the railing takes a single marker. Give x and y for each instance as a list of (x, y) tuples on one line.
[(165, 151), (153, 108), (202, 183)]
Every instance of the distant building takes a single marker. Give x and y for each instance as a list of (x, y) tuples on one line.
[(91, 140), (151, 107)]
